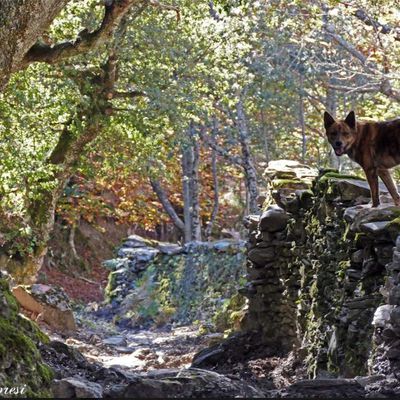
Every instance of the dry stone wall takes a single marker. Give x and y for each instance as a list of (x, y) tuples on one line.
[(324, 272)]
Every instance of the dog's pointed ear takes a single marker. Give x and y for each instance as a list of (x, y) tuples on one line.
[(351, 120), (328, 120)]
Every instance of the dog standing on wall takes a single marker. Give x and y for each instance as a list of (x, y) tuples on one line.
[(375, 146)]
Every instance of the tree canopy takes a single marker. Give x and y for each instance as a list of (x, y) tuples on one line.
[(175, 107)]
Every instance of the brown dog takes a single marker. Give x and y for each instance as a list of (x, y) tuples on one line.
[(373, 145)]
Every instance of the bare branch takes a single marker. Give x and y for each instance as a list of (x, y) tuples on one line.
[(382, 28), (383, 85), (373, 88), (221, 151), (213, 12), (329, 29), (387, 89)]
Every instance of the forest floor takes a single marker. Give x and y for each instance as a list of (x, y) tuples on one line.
[(156, 351), (139, 350), (147, 350)]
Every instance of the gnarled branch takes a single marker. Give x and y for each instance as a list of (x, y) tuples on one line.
[(115, 10)]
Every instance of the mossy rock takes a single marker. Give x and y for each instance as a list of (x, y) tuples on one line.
[(337, 175), (21, 364), (230, 316), (294, 183)]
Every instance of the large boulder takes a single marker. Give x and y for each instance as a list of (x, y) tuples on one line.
[(76, 387), (49, 303), (190, 383)]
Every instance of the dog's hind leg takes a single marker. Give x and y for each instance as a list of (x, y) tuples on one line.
[(387, 179)]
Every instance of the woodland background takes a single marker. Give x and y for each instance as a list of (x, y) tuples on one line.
[(167, 123)]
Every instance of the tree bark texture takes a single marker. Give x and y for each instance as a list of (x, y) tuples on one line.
[(248, 165), (187, 161), (21, 23), (194, 185)]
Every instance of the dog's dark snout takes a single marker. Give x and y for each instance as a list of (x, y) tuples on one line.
[(338, 143)]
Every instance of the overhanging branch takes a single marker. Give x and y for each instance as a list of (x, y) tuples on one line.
[(115, 10), (382, 28)]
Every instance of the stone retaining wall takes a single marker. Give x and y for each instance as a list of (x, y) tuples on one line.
[(322, 263), (160, 283)]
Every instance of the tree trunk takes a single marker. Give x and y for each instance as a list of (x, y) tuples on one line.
[(214, 173), (187, 160), (302, 121), (331, 95), (331, 107), (194, 186), (168, 207), (190, 187), (248, 166), (76, 135), (21, 24), (265, 137)]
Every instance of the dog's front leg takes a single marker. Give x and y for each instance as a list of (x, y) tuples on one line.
[(372, 178), (387, 179)]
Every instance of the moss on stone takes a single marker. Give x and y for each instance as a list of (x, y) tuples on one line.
[(321, 264), (228, 318), (20, 360), (335, 174), (183, 288), (395, 223)]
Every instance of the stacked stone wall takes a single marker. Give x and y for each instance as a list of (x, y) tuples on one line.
[(323, 273)]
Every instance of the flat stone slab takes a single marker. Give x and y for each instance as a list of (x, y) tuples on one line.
[(226, 244), (286, 169), (169, 248), (324, 389), (115, 341), (139, 254), (375, 227)]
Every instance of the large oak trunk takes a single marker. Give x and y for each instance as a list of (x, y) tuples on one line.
[(21, 23)]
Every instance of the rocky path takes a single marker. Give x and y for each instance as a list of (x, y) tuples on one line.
[(99, 360), (140, 350)]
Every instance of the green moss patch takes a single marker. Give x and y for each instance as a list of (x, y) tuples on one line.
[(20, 360)]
